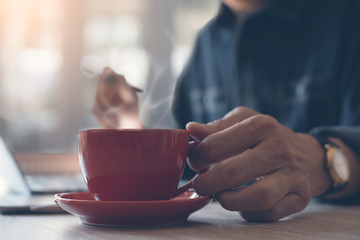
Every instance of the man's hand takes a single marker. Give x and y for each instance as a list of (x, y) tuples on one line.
[(116, 103), (288, 167)]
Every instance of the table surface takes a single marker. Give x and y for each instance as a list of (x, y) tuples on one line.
[(317, 221)]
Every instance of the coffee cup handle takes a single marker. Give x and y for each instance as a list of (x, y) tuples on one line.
[(190, 183)]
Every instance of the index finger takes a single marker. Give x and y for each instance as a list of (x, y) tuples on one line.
[(229, 142)]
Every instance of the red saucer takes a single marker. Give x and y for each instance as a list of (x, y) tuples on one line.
[(131, 213)]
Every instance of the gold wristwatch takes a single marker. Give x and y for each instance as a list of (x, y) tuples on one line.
[(338, 167)]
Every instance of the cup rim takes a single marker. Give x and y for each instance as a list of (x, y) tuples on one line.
[(133, 130)]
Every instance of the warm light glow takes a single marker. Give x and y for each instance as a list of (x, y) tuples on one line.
[(45, 98)]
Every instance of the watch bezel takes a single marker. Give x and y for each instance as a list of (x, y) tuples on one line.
[(337, 184), (331, 150)]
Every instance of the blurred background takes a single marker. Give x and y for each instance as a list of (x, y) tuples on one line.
[(45, 44)]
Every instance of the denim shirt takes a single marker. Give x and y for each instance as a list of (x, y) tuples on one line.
[(298, 61)]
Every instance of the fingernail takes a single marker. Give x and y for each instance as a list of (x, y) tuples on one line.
[(188, 124)]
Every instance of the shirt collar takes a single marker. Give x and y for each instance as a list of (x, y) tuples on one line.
[(284, 9), (225, 17)]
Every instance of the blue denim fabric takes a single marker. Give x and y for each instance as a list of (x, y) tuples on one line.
[(298, 61)]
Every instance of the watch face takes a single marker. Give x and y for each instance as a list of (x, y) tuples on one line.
[(341, 166)]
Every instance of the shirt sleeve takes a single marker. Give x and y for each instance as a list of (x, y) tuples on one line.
[(349, 129)]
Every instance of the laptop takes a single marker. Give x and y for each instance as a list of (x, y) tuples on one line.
[(31, 194)]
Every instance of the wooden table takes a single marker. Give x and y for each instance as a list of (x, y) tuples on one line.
[(318, 221)]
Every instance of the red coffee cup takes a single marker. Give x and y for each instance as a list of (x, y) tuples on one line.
[(133, 164)]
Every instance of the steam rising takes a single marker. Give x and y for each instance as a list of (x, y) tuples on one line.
[(155, 104)]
